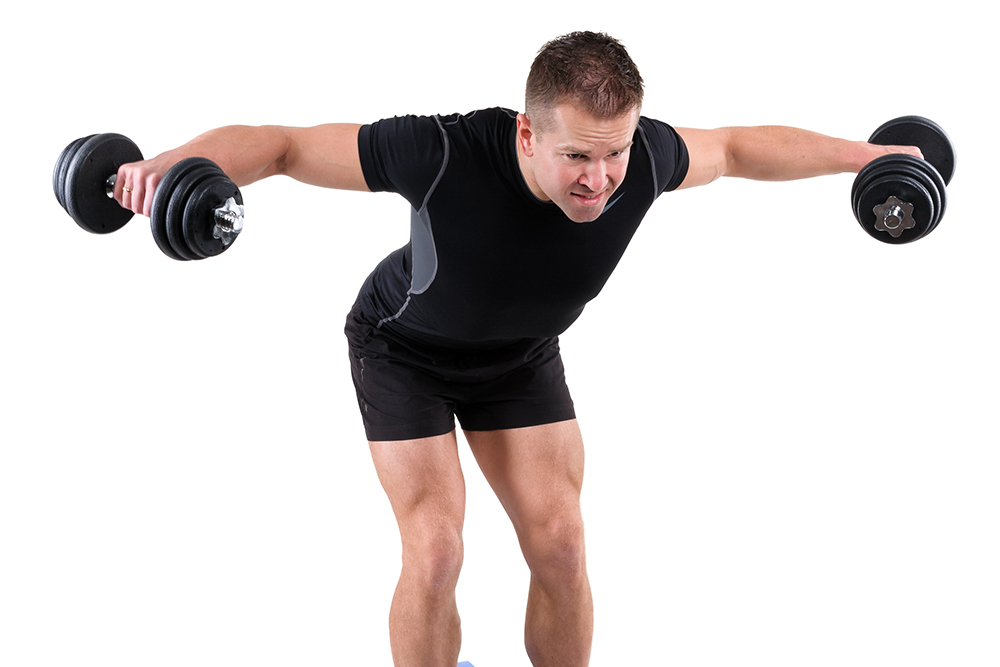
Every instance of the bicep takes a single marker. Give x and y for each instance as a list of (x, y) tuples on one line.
[(708, 155), (325, 155)]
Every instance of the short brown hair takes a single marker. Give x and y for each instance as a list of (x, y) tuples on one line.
[(589, 69)]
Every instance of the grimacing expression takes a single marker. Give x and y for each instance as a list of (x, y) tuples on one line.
[(576, 161)]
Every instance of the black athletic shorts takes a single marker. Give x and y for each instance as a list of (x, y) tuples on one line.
[(412, 390)]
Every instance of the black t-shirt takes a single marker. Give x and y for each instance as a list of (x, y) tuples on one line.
[(488, 262)]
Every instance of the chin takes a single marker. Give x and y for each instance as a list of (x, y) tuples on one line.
[(588, 215), (578, 213)]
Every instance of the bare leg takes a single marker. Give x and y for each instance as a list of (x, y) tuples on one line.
[(537, 474), (424, 482)]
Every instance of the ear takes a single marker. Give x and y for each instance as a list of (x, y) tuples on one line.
[(525, 135)]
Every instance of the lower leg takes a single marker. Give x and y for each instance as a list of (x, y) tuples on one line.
[(559, 627), (424, 626)]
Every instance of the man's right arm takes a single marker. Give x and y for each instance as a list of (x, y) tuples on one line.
[(325, 155)]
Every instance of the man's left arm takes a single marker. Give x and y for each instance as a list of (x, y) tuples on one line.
[(774, 154)]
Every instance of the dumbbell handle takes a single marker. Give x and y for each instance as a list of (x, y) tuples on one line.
[(895, 215), (228, 217)]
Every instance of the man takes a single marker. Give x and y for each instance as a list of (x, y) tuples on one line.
[(517, 222)]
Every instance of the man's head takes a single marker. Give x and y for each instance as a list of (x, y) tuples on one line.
[(582, 106), (591, 71)]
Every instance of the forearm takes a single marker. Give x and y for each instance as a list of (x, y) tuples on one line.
[(785, 153), (246, 154)]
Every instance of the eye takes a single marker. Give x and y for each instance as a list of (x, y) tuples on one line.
[(574, 156)]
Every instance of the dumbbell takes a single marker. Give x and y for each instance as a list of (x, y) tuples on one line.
[(197, 210), (901, 198)]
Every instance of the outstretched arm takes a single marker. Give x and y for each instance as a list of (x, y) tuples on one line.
[(774, 154), (326, 155)]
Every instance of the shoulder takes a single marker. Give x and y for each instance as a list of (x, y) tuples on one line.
[(413, 136), (667, 152), (483, 126), (482, 118), (405, 154), (401, 154), (420, 137)]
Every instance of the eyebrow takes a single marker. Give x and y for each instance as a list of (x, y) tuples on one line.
[(569, 148)]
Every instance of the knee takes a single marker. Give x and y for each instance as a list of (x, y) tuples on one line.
[(434, 561), (554, 550)]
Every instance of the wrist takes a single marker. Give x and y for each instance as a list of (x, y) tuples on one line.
[(861, 154)]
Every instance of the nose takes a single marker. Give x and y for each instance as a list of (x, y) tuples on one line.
[(594, 176)]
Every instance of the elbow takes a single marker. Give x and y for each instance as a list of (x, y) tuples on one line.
[(284, 160)]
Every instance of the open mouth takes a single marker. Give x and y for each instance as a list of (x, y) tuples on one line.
[(588, 200)]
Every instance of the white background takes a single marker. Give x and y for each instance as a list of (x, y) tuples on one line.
[(791, 428)]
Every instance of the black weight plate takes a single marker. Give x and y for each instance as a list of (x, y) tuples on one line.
[(85, 187), (928, 177), (932, 140), (175, 208), (199, 214), (64, 168), (905, 189), (877, 168), (906, 165), (859, 180), (62, 163), (937, 179), (161, 199)]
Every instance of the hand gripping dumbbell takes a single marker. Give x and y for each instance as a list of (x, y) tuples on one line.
[(900, 198), (197, 210)]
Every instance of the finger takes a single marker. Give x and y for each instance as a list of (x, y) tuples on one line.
[(126, 200), (136, 199), (905, 150), (119, 188), (149, 190), (125, 188)]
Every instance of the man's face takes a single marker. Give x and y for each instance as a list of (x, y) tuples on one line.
[(576, 161)]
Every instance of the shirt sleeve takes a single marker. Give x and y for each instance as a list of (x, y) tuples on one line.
[(403, 155), (668, 151)]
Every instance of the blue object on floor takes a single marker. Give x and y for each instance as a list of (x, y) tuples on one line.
[(465, 664)]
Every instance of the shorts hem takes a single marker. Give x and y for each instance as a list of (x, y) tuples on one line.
[(550, 416), (407, 432)]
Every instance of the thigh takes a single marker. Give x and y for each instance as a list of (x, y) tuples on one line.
[(424, 483), (536, 472)]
